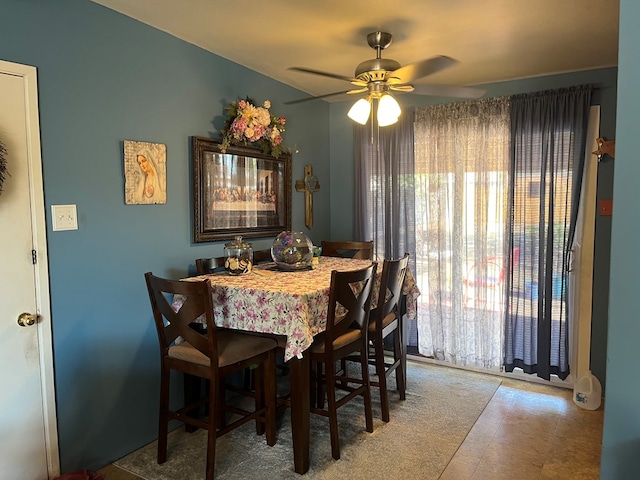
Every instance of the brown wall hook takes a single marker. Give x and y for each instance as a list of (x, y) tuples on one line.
[(605, 147)]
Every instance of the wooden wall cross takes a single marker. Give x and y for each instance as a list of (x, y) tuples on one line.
[(309, 185)]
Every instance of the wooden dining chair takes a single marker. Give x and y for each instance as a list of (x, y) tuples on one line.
[(210, 265), (345, 334), (205, 266), (262, 256), (350, 249), (213, 356), (386, 320)]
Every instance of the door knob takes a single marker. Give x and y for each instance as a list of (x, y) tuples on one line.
[(27, 319)]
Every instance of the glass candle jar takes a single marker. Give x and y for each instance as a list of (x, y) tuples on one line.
[(238, 257)]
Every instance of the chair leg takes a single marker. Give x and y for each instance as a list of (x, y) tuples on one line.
[(343, 371), (320, 388), (269, 391), (220, 413), (214, 408), (257, 375), (191, 387), (381, 372), (400, 354), (163, 419), (313, 386), (368, 411), (332, 409), (248, 379)]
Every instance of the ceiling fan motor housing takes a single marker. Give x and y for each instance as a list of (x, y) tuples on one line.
[(376, 69)]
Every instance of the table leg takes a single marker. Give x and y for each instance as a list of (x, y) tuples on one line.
[(300, 426)]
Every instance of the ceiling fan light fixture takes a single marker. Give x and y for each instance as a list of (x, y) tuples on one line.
[(388, 110), (360, 111)]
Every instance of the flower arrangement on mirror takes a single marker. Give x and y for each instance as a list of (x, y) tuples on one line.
[(247, 123)]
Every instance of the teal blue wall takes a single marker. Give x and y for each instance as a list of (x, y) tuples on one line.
[(621, 438), (342, 178), (104, 78)]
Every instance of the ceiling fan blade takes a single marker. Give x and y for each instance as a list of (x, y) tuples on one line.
[(416, 70), (307, 99), (324, 74), (449, 91), (406, 88)]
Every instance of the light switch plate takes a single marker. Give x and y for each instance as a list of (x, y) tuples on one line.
[(64, 217)]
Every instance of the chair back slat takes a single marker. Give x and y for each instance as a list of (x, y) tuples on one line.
[(171, 324), (209, 265), (349, 302), (349, 249), (262, 256), (393, 274)]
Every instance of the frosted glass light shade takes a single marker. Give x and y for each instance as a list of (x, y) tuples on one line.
[(360, 111), (388, 111)]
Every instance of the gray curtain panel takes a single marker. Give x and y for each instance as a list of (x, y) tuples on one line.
[(384, 193), (384, 177), (548, 137)]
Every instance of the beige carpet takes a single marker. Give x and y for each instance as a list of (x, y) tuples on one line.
[(424, 433)]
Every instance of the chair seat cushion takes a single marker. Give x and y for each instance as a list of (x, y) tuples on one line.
[(385, 321), (281, 340), (232, 347), (350, 336)]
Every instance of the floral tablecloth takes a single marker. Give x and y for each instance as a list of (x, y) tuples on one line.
[(293, 304)]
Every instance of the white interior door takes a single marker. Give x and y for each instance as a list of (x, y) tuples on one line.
[(28, 430)]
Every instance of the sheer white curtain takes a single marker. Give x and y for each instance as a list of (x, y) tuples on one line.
[(462, 178)]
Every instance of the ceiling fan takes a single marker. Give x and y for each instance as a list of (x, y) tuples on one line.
[(379, 76)]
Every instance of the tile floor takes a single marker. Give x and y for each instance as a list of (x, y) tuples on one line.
[(527, 431), (530, 431)]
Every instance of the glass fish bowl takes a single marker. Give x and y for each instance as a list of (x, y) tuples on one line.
[(292, 251)]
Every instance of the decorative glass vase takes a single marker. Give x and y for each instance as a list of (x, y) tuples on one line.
[(238, 257), (292, 251)]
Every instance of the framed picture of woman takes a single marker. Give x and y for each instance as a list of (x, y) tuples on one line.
[(145, 173)]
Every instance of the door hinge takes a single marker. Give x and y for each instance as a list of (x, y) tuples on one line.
[(34, 257)]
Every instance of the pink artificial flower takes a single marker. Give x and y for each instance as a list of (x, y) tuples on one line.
[(238, 126), (256, 133)]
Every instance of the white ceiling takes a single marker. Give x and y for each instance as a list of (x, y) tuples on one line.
[(494, 40)]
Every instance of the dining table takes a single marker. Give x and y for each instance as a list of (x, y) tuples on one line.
[(291, 304)]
